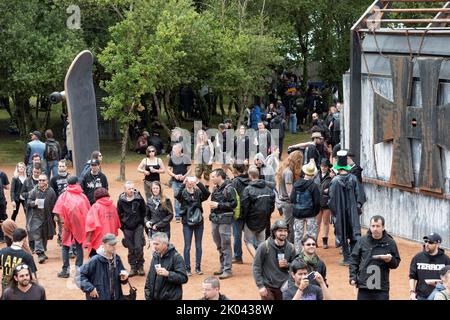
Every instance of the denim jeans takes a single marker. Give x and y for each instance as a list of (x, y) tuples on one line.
[(188, 232), (293, 123), (253, 237), (52, 168), (176, 185), (238, 227), (65, 256)]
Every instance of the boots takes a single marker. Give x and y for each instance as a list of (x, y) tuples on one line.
[(325, 242)]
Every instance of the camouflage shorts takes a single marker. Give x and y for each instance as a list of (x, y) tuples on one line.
[(204, 169)]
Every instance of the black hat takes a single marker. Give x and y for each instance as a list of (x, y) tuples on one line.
[(72, 180), (37, 134), (433, 237), (95, 162), (342, 163)]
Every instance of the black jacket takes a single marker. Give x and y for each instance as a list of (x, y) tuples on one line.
[(16, 188), (131, 213), (90, 183), (324, 188), (27, 186), (239, 183), (226, 198), (159, 216), (313, 188), (364, 269), (188, 202), (257, 205), (425, 266), (166, 288)]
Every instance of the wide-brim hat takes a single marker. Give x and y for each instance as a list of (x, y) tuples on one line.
[(342, 163), (310, 168)]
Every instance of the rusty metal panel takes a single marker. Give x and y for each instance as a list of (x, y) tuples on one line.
[(390, 121), (408, 215)]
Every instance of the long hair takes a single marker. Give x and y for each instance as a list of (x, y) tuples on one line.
[(201, 140), (161, 195), (16, 170), (294, 162), (13, 284)]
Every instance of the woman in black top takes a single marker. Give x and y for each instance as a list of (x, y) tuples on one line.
[(151, 167), (159, 211), (16, 186), (325, 213), (191, 195)]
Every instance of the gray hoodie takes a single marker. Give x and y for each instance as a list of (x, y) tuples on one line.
[(266, 172)]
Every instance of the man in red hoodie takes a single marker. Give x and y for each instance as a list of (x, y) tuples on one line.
[(71, 210), (101, 219)]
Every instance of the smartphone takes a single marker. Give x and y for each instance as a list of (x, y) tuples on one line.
[(310, 276)]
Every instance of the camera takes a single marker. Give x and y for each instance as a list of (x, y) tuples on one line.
[(310, 276), (57, 97)]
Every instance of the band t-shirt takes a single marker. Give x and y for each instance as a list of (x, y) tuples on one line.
[(311, 292), (36, 292), (10, 258)]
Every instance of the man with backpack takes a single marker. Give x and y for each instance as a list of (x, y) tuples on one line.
[(239, 183), (223, 202), (272, 261), (257, 205), (305, 198), (52, 154)]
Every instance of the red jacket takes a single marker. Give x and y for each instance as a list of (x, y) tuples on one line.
[(73, 206), (101, 219)]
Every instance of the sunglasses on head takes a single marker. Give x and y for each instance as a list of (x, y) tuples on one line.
[(21, 266)]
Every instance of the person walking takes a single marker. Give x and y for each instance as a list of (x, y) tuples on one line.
[(71, 210), (167, 272), (19, 177), (59, 185), (102, 276), (102, 218), (93, 180), (346, 201), (204, 157), (40, 203), (132, 210), (289, 171), (191, 195), (272, 262), (325, 213), (34, 146), (257, 205), (52, 154), (159, 211), (223, 202), (305, 197), (151, 167), (371, 260), (179, 168)]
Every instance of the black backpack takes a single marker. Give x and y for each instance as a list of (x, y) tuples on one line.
[(303, 204), (51, 151)]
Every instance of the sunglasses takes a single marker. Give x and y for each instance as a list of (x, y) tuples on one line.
[(310, 244), (21, 266), (428, 241)]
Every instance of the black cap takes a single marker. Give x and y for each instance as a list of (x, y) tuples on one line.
[(37, 134), (95, 162), (433, 237)]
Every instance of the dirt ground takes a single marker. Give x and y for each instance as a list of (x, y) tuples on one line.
[(240, 287)]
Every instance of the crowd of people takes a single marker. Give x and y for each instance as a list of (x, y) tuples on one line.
[(246, 180)]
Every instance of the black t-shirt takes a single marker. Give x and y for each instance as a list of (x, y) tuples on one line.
[(3, 182), (59, 183), (10, 258), (179, 164), (36, 292)]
